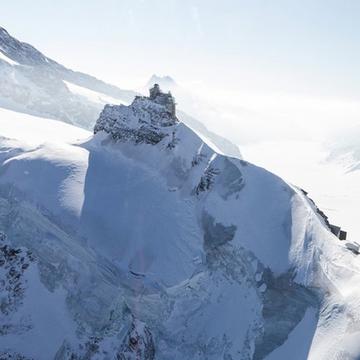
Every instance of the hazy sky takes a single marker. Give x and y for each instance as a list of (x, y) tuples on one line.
[(299, 46), (276, 55)]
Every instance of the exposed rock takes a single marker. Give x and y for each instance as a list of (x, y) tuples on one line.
[(207, 180), (161, 98), (14, 262), (284, 305), (5, 355), (216, 234), (147, 120), (138, 344), (336, 230)]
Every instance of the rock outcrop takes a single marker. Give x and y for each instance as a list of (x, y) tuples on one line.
[(147, 120)]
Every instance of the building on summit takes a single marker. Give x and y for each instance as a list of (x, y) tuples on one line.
[(165, 99)]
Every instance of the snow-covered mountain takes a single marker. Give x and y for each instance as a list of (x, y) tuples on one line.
[(166, 82), (142, 242), (34, 84), (195, 108)]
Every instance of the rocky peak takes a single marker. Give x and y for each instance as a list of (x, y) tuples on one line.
[(147, 120)]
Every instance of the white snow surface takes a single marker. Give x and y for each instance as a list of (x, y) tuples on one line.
[(334, 185), (37, 130), (91, 95), (191, 243)]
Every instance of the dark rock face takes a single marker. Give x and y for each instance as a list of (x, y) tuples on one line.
[(142, 135), (138, 344), (228, 177), (86, 351), (216, 234), (14, 262), (12, 356), (285, 304), (207, 180), (336, 230), (163, 99)]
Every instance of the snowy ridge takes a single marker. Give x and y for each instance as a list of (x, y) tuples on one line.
[(157, 247), (34, 84), (193, 108)]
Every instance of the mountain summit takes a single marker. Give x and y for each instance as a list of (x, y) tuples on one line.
[(146, 120), (143, 241), (34, 84)]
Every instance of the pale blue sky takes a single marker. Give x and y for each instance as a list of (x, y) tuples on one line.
[(307, 47)]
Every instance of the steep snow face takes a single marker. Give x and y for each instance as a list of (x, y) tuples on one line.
[(332, 181), (191, 168), (35, 84), (193, 105), (91, 95), (20, 52), (38, 91), (25, 54), (154, 246), (193, 108)]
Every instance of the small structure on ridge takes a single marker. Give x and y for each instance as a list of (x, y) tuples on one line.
[(165, 99)]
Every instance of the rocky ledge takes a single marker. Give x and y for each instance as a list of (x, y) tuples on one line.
[(147, 120)]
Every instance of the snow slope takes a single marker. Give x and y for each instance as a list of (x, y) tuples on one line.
[(36, 131), (34, 84), (329, 181), (195, 108), (153, 246)]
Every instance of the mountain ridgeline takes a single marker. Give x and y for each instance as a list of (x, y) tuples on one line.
[(142, 241), (34, 84)]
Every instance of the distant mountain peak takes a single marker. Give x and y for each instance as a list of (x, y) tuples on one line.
[(21, 52), (166, 81)]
